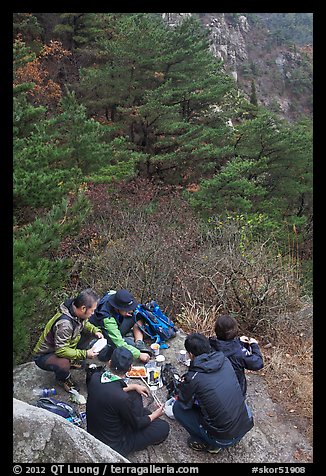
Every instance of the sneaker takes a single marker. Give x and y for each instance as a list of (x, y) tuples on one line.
[(213, 450), (139, 344), (197, 445), (68, 384), (200, 446)]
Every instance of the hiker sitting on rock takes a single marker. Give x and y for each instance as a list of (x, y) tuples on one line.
[(114, 316), (243, 353), (57, 348), (210, 404), (115, 413)]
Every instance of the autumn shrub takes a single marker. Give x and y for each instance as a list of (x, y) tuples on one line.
[(149, 241), (142, 249)]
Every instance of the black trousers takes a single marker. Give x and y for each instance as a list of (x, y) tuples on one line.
[(156, 432)]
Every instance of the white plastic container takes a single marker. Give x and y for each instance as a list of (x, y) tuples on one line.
[(182, 357), (168, 408), (153, 374), (99, 345), (155, 348), (160, 359)]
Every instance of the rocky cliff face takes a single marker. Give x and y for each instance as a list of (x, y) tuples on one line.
[(282, 72)]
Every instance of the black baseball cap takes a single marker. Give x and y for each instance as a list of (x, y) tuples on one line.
[(121, 359)]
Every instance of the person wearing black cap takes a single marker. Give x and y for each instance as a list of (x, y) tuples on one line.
[(114, 317), (115, 413)]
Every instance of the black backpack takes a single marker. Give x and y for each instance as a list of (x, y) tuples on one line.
[(92, 369), (171, 379)]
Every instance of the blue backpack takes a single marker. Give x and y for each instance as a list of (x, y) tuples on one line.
[(157, 325)]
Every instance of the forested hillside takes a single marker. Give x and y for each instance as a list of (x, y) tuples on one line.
[(139, 163)]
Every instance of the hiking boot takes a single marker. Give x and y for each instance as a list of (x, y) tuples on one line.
[(74, 364), (139, 344), (68, 384), (200, 446)]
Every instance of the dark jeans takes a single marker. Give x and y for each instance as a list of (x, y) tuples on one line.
[(190, 420), (156, 432), (60, 365), (125, 327)]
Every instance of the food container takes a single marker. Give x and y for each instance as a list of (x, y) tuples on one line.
[(182, 357), (168, 408), (155, 348), (160, 359), (153, 374)]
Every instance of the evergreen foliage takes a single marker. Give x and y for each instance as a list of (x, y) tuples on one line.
[(159, 85), (271, 174), (80, 30), (39, 276), (150, 101), (287, 27), (253, 94)]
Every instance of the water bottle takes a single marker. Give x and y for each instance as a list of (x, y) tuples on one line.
[(44, 392)]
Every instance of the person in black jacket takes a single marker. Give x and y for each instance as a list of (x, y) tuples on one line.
[(243, 353), (114, 410), (210, 403)]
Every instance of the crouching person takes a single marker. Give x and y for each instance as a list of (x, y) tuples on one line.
[(58, 348), (115, 412), (210, 404)]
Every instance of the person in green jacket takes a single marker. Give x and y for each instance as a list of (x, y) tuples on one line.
[(114, 316), (57, 348)]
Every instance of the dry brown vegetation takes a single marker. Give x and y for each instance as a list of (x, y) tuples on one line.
[(289, 373)]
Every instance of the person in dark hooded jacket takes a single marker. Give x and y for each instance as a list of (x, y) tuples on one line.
[(243, 353), (210, 404)]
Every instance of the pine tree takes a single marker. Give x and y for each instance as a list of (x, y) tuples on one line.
[(160, 85), (39, 276), (270, 175), (253, 94)]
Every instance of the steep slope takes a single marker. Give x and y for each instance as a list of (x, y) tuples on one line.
[(272, 50)]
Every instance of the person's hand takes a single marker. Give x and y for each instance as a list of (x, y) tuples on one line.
[(142, 390), (253, 341), (91, 354), (157, 413), (144, 357), (99, 335), (245, 339)]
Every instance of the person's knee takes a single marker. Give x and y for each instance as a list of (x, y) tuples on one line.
[(176, 409), (63, 364), (163, 429)]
